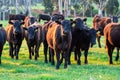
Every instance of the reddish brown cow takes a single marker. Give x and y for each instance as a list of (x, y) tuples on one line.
[(3, 38), (112, 40), (99, 24), (59, 40), (15, 36)]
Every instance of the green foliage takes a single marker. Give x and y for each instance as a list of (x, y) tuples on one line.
[(112, 7), (48, 6)]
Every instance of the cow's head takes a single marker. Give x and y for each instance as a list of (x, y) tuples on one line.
[(79, 23), (32, 20), (92, 36), (65, 27), (16, 27), (31, 32)]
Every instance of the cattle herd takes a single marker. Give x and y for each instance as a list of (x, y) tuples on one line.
[(60, 36)]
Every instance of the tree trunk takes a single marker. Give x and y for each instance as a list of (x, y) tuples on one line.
[(16, 7), (74, 12), (100, 12), (60, 6), (30, 8), (3, 15), (69, 7), (66, 8), (83, 10)]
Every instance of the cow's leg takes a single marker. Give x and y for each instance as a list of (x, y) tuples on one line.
[(117, 56), (79, 55), (17, 50), (86, 54), (58, 59), (29, 48), (75, 55), (98, 39), (32, 50), (37, 51), (1, 48), (11, 50), (62, 56), (78, 52), (110, 49), (49, 56), (69, 55), (66, 59), (52, 56), (45, 50)]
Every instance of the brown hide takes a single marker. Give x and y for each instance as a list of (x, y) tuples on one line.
[(112, 39)]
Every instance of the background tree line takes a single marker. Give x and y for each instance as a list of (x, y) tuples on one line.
[(67, 7)]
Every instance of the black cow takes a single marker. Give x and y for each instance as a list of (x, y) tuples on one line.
[(3, 38), (82, 38), (44, 17), (34, 39), (15, 36), (16, 17), (57, 17)]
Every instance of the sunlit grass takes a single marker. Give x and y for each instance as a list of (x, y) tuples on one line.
[(97, 68)]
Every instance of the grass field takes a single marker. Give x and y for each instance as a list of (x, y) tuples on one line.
[(25, 69)]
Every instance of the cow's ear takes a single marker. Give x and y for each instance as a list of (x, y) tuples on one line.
[(58, 22), (36, 28), (85, 19), (10, 22), (0, 25), (22, 23), (25, 28), (97, 20)]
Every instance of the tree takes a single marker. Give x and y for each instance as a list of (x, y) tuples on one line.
[(101, 4), (75, 6), (112, 7), (48, 6)]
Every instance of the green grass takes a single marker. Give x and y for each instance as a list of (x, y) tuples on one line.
[(26, 69)]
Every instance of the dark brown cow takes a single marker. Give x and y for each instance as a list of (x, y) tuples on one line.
[(15, 36), (34, 39), (59, 40), (98, 24), (16, 17), (44, 17), (58, 16), (112, 40), (3, 38)]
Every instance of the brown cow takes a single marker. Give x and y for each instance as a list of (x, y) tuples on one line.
[(59, 40), (3, 38), (45, 29), (15, 36), (34, 39), (112, 40), (99, 24)]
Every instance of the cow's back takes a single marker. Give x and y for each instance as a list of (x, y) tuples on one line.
[(112, 34), (50, 33), (2, 36)]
